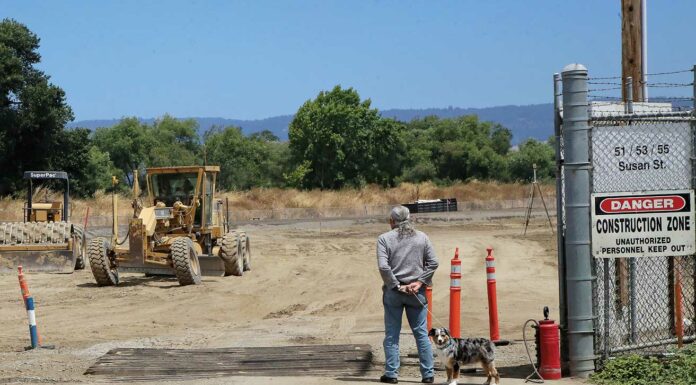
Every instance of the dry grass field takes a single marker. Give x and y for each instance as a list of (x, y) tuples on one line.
[(276, 198)]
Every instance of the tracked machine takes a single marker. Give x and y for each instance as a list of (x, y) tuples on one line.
[(181, 230), (45, 240)]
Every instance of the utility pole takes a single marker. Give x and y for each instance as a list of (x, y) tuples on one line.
[(632, 47)]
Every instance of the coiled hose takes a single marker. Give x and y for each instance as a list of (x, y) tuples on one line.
[(529, 355)]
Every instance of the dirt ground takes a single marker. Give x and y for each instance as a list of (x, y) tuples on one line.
[(309, 284)]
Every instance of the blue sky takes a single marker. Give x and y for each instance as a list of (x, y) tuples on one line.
[(255, 59)]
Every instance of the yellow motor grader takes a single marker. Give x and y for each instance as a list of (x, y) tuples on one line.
[(181, 231), (45, 240)]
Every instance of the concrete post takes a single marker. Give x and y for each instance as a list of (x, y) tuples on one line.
[(557, 102), (578, 260)]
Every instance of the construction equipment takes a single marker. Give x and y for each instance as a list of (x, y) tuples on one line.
[(182, 231), (45, 240)]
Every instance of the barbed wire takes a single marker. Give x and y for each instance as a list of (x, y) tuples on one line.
[(658, 98), (668, 85), (605, 78), (670, 72), (649, 74), (606, 83), (590, 96), (604, 89)]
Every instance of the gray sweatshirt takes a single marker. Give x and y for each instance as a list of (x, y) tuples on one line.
[(405, 260)]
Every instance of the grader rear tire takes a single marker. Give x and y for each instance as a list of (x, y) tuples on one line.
[(231, 254), (99, 261), (79, 247), (247, 254), (185, 261)]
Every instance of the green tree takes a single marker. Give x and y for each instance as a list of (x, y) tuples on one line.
[(99, 170), (33, 111), (338, 140), (246, 162), (128, 144), (172, 142), (89, 169), (500, 139), (454, 149), (529, 153), (265, 135), (418, 163)]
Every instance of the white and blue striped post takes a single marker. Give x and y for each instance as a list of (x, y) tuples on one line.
[(33, 333), (29, 305)]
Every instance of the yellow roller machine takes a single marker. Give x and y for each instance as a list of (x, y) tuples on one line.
[(45, 240)]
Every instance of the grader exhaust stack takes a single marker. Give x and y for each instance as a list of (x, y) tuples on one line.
[(45, 240)]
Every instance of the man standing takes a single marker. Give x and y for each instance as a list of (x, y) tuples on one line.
[(407, 262)]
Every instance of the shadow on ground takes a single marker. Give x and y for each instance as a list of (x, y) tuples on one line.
[(140, 281)]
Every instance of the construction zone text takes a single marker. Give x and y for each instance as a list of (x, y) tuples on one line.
[(649, 224)]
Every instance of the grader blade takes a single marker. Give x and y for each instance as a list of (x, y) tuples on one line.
[(50, 261), (37, 246), (211, 266)]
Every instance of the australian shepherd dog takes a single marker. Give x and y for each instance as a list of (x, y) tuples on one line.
[(461, 351)]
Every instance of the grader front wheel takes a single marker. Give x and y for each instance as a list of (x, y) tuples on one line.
[(232, 254), (99, 261), (185, 261)]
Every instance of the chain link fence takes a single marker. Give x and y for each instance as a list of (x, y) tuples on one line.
[(640, 303), (635, 303)]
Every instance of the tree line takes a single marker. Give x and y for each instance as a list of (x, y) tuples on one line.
[(336, 140)]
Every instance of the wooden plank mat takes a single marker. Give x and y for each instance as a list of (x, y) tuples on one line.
[(181, 364)]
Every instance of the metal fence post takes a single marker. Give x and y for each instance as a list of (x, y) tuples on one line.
[(693, 137), (632, 299), (557, 102), (693, 165), (607, 320), (629, 95), (577, 212)]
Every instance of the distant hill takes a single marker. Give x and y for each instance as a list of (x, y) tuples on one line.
[(277, 124), (531, 121)]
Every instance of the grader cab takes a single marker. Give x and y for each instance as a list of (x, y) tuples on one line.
[(45, 240), (181, 231)]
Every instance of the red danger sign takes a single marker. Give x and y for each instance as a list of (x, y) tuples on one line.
[(642, 204), (643, 224)]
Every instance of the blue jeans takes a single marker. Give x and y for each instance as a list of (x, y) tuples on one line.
[(394, 304)]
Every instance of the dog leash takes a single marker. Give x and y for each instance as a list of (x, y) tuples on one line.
[(428, 310)]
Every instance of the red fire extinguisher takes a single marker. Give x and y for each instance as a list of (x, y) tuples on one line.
[(548, 348)]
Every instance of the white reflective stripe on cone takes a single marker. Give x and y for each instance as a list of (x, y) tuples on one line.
[(490, 275), (32, 318), (490, 263), (456, 268), (455, 282)]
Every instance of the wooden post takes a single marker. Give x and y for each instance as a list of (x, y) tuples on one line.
[(632, 47)]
